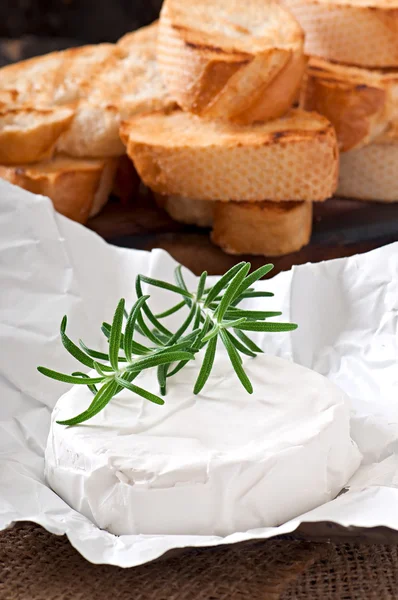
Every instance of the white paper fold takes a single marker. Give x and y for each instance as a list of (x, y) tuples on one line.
[(49, 266)]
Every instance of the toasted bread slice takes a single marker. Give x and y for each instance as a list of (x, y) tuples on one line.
[(55, 78), (80, 68), (355, 32), (370, 173), (187, 210), (29, 135), (77, 188), (128, 84), (360, 103), (179, 154), (144, 37), (93, 133), (103, 83), (226, 61), (265, 228), (8, 99), (32, 80)]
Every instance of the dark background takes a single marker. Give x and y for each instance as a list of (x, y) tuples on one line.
[(86, 20), (32, 27)]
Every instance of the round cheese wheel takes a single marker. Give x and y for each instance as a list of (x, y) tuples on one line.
[(220, 462)]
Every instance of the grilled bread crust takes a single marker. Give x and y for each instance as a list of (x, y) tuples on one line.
[(30, 135), (102, 84), (78, 188), (179, 154), (361, 104), (353, 32), (222, 61), (370, 173), (262, 228)]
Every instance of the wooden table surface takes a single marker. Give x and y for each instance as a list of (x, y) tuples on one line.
[(341, 228)]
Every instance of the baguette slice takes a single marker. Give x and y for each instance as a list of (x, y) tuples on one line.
[(79, 70), (370, 173), (225, 60), (144, 37), (264, 228), (29, 135), (356, 32), (56, 78), (30, 80), (187, 210), (179, 154), (77, 188), (103, 83), (361, 104), (127, 84)]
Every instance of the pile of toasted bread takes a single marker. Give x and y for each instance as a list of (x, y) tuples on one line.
[(232, 112), (352, 79), (60, 116)]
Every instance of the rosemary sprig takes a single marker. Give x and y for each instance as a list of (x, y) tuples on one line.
[(213, 316)]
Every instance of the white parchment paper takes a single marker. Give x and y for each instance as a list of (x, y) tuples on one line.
[(49, 266)]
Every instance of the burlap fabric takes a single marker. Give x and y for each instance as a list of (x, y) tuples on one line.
[(349, 572), (35, 565)]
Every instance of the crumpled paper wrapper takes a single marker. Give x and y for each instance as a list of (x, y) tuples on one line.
[(347, 310)]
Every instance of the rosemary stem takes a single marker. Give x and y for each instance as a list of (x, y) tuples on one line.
[(213, 315)]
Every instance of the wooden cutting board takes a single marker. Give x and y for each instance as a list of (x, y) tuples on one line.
[(341, 228)]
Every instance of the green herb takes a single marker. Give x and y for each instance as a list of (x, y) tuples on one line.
[(212, 315)]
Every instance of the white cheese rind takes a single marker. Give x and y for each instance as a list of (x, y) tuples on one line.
[(213, 464)]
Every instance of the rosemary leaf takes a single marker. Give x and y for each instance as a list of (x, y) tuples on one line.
[(230, 292), (69, 378), (184, 326), (139, 391), (171, 311), (212, 333), (236, 363), (251, 314), (177, 368), (247, 341), (253, 295), (221, 283), (162, 378), (101, 399), (190, 337), (71, 347), (178, 276), (235, 323), (151, 317), (129, 330), (99, 368), (116, 335), (270, 327), (158, 359), (196, 337), (207, 365), (201, 286), (95, 354), (106, 330), (252, 278), (183, 344), (144, 330), (239, 345), (92, 388), (166, 286)]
